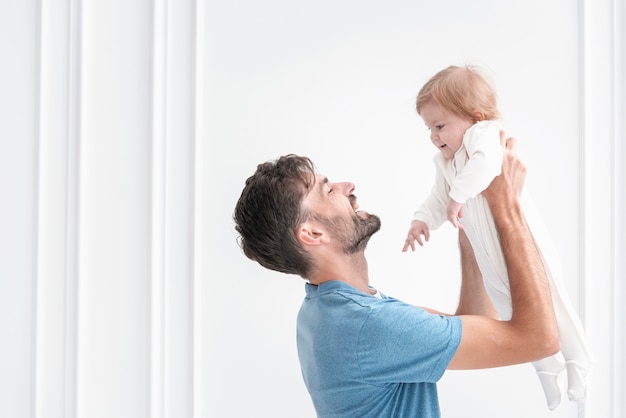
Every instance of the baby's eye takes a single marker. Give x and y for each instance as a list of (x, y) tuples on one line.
[(439, 126)]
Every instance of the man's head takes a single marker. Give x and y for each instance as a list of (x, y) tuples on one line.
[(286, 209)]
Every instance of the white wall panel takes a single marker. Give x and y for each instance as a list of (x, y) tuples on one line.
[(114, 200), (602, 226), (137, 170), (18, 204), (173, 213), (109, 206)]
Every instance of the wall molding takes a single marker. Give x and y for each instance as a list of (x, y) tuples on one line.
[(173, 210), (158, 193), (55, 300), (618, 243), (59, 352), (602, 200)]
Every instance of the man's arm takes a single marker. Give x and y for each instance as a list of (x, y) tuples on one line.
[(474, 299), (531, 333)]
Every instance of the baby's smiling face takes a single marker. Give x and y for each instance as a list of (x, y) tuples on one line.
[(446, 129)]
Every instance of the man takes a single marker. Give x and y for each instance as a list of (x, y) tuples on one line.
[(364, 354)]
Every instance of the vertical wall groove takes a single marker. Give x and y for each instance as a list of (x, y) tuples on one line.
[(36, 214), (615, 396), (73, 208), (618, 13), (581, 172), (158, 175), (197, 365), (581, 159), (582, 168), (193, 230)]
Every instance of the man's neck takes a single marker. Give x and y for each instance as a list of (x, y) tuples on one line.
[(351, 270)]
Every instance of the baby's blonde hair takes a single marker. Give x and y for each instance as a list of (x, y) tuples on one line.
[(462, 91)]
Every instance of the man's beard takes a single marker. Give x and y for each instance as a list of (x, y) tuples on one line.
[(364, 228), (354, 235)]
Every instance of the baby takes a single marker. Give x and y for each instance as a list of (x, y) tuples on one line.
[(459, 108)]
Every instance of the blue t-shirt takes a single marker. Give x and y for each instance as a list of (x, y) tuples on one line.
[(362, 356)]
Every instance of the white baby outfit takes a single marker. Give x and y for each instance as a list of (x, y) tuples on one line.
[(463, 178)]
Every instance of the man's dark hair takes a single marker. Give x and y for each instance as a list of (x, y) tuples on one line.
[(269, 211)]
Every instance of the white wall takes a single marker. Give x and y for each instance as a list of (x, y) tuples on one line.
[(128, 130), (98, 214), (337, 82)]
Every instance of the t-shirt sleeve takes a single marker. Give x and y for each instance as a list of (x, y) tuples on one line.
[(400, 343)]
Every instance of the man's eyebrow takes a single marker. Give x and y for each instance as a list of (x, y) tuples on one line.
[(322, 183)]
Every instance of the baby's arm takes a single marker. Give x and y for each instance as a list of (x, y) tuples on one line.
[(430, 215), (417, 230), (482, 143), (454, 211)]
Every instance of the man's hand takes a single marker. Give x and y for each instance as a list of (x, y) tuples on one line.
[(507, 187)]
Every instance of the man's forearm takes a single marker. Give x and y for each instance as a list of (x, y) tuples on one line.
[(531, 299), (473, 299), (531, 333)]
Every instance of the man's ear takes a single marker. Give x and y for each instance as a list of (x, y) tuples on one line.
[(310, 234)]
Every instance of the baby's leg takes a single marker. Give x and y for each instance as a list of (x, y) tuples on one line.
[(549, 370), (574, 348)]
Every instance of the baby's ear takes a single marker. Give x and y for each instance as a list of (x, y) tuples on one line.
[(478, 116)]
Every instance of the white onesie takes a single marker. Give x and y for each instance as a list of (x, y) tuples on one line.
[(463, 178)]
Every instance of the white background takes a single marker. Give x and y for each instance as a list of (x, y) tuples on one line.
[(129, 128), (337, 81)]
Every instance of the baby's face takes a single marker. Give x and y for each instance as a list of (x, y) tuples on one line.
[(446, 129)]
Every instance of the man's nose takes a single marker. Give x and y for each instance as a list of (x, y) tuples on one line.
[(346, 188)]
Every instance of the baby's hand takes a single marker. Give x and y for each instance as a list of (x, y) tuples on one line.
[(455, 212), (418, 228)]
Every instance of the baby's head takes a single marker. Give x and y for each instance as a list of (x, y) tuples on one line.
[(462, 91)]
